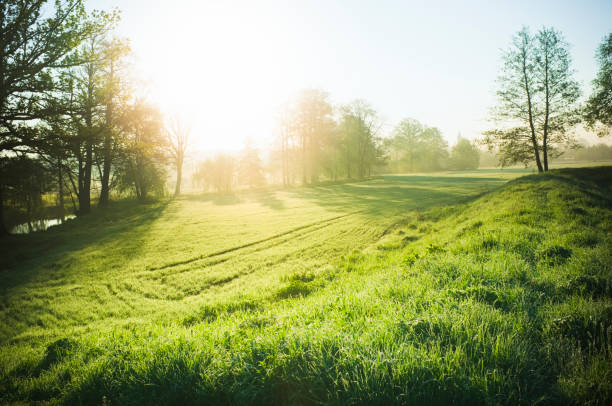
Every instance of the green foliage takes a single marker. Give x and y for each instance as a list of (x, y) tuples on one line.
[(415, 147), (145, 152), (598, 111), (286, 299)]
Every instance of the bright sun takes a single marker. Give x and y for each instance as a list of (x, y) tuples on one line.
[(227, 72)]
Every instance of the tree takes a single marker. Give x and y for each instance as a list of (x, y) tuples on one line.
[(418, 147), (464, 155), (407, 139), (598, 111), (250, 170), (178, 134), (218, 173), (311, 123), (537, 100), (90, 106), (145, 151), (115, 94), (359, 126), (31, 48)]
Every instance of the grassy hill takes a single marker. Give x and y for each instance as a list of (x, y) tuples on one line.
[(457, 289)]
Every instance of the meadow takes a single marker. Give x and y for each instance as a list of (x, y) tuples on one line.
[(484, 287)]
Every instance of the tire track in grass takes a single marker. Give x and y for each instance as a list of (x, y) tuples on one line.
[(250, 244), (298, 252)]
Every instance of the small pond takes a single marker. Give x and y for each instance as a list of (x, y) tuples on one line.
[(39, 225)]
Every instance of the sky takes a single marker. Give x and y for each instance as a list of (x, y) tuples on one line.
[(228, 66)]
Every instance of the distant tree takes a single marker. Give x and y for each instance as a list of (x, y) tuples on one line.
[(250, 170), (359, 127), (464, 155), (537, 100), (218, 173), (311, 122), (597, 152), (407, 141), (418, 147), (598, 111), (286, 139), (178, 134)]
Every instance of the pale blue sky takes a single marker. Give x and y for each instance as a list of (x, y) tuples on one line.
[(232, 63)]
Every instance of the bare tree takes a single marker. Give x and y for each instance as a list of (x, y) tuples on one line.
[(178, 133)]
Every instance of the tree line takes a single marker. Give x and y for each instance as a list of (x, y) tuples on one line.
[(319, 141)]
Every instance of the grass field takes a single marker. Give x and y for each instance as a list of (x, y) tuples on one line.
[(470, 288)]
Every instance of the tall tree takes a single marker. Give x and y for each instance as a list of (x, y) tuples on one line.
[(598, 111), (312, 123), (537, 99), (88, 102), (115, 94), (178, 133)]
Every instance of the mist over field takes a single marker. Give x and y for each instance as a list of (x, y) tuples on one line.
[(305, 203)]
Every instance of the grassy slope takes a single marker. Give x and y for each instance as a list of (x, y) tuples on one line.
[(504, 300)]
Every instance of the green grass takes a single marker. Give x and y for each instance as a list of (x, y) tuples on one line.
[(457, 288)]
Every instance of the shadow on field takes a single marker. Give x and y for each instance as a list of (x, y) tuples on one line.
[(122, 224), (219, 199), (401, 192)]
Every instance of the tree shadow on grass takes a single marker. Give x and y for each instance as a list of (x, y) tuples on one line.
[(23, 257)]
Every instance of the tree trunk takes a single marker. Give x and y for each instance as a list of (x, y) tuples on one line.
[(3, 230), (84, 193), (546, 114), (60, 191), (179, 175), (106, 168), (534, 140), (107, 149)]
